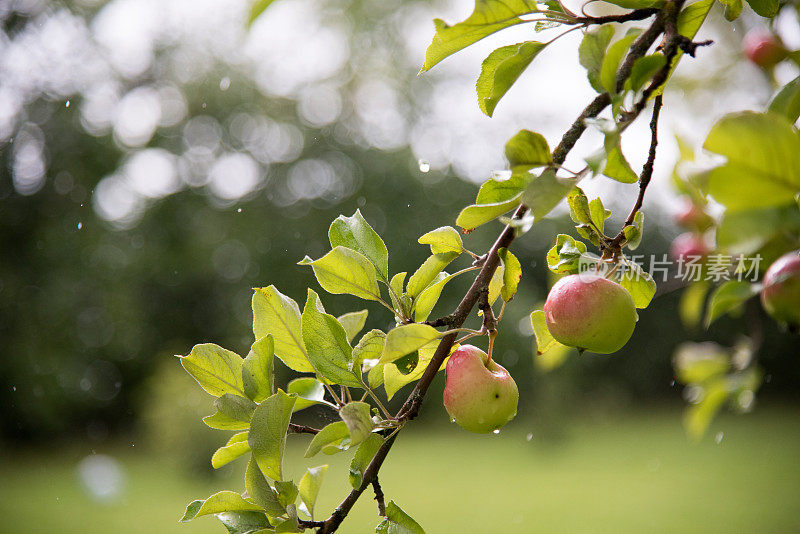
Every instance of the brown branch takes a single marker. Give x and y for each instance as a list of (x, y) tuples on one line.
[(638, 14), (379, 497), (302, 429)]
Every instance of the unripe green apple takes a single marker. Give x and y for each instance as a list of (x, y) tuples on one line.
[(590, 312), (781, 293), (479, 394), (689, 245), (763, 48)]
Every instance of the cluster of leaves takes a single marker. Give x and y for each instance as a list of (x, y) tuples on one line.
[(313, 341), (758, 185)]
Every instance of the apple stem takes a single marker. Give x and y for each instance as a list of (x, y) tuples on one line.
[(492, 335)]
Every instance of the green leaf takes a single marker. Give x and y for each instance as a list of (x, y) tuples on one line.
[(763, 161), (564, 257), (363, 456), (495, 286), (220, 421), (394, 378), (333, 436), (224, 501), (375, 375), (644, 69), (398, 522), (356, 415), (424, 303), (245, 522), (327, 346), (258, 369), (527, 148), (268, 433), (613, 58), (428, 271), (442, 240), (545, 191), (309, 391), (693, 298), (291, 524), (745, 232), (345, 271), (477, 214), (591, 52), (633, 233), (598, 213), (369, 347), (237, 446), (279, 316), (287, 492), (397, 283), (257, 7), (698, 416), (544, 340), (501, 69), (309, 486), (579, 206), (356, 234), (610, 160), (639, 284), (217, 370), (502, 187), (765, 8), (260, 491), (406, 339), (733, 8), (235, 407), (787, 101), (488, 17), (512, 272), (727, 297), (353, 323)]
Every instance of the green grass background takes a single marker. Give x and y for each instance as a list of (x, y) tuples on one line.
[(632, 473)]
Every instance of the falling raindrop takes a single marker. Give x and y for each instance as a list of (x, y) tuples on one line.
[(424, 166), (80, 225), (239, 210), (672, 383), (496, 431), (529, 437), (718, 437), (66, 104), (14, 388), (224, 84), (452, 419)]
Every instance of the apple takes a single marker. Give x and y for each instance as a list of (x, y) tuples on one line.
[(689, 245), (692, 216), (479, 394), (763, 48), (781, 293), (590, 312)]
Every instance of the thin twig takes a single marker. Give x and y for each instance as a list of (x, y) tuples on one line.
[(646, 175), (302, 429)]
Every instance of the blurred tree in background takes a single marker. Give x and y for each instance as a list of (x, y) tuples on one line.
[(155, 167)]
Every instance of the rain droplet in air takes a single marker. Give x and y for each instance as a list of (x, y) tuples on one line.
[(239, 210), (66, 104), (452, 419), (80, 225), (496, 431), (529, 436), (424, 166), (224, 84), (718, 437)]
